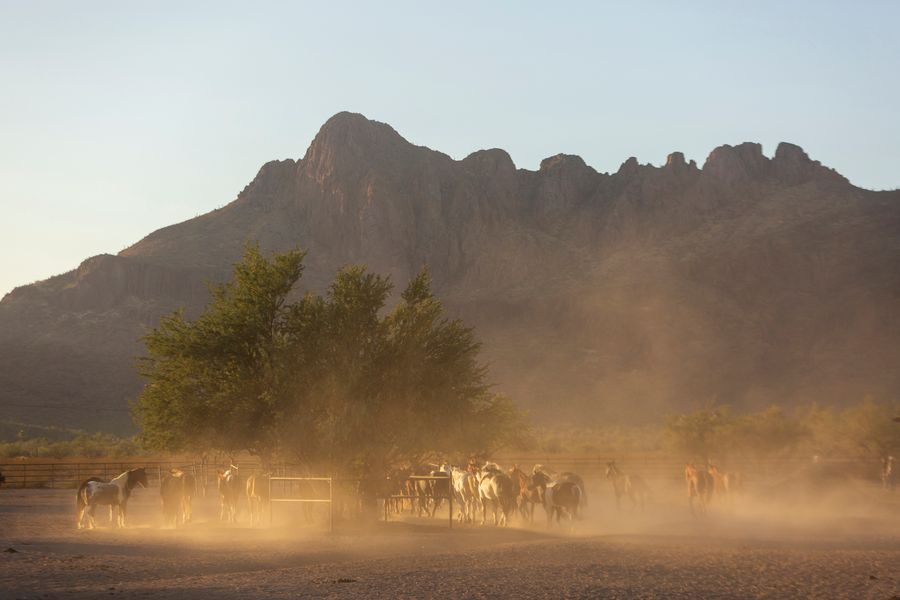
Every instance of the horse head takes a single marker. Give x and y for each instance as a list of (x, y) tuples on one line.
[(611, 470), (137, 477), (540, 480)]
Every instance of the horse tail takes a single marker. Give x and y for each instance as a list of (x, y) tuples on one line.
[(578, 496), (80, 500), (81, 495)]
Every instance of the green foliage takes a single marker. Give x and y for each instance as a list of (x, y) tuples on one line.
[(607, 440), (710, 433), (866, 430), (698, 434), (334, 380), (770, 433), (83, 445)]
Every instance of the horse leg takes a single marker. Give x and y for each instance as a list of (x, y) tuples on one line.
[(91, 512)]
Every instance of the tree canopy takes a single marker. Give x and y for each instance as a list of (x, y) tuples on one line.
[(333, 380)]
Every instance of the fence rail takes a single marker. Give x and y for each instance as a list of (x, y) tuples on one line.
[(60, 475)]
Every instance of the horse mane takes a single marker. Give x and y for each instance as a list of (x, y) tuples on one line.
[(119, 477)]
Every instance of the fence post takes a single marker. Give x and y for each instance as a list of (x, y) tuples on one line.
[(52, 473), (24, 475), (270, 502), (450, 495), (331, 505)]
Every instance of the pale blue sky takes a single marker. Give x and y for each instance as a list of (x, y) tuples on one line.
[(117, 118)]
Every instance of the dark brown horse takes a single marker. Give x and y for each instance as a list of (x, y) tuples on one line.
[(560, 497)]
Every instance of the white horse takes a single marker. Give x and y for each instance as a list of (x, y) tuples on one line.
[(229, 492), (94, 492), (888, 474), (465, 492), (495, 489)]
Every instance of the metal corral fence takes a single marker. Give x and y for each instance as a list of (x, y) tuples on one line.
[(71, 474), (28, 474), (288, 488), (64, 475)]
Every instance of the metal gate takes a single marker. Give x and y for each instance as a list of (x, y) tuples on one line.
[(329, 500)]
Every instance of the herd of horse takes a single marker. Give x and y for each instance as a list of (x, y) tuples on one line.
[(480, 492), (485, 492)]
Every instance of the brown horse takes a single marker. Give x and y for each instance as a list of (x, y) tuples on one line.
[(560, 497), (623, 484), (176, 491), (725, 485), (257, 497), (529, 495), (699, 485)]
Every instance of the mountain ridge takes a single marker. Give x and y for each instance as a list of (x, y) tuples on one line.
[(647, 289)]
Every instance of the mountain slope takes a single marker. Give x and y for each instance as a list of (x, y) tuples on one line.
[(625, 295)]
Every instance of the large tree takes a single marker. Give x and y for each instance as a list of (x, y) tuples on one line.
[(335, 381)]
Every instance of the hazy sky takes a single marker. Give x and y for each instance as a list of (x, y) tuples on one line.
[(118, 118)]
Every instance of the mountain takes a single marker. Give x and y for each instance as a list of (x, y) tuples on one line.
[(622, 296)]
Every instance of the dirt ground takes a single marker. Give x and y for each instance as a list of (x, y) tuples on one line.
[(837, 548)]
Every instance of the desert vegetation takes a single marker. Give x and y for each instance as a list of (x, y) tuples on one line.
[(80, 444), (334, 380)]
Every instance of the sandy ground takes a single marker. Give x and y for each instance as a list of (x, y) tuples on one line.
[(849, 549)]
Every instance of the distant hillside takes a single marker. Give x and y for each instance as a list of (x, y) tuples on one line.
[(598, 296)]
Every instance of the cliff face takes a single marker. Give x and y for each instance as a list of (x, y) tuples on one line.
[(629, 295)]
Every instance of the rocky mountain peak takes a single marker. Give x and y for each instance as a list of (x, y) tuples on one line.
[(349, 143), (629, 167), (732, 165), (560, 162), (675, 160), (493, 161), (792, 165)]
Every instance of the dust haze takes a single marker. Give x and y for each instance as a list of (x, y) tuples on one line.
[(812, 531)]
